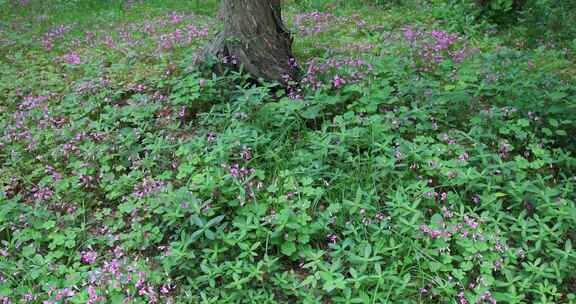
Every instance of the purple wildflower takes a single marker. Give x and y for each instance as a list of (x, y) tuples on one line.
[(72, 58), (88, 257)]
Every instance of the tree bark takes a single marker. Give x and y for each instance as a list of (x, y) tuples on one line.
[(254, 37)]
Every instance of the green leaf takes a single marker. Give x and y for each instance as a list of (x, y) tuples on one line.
[(436, 219), (209, 234), (126, 208), (288, 248), (555, 96), (458, 273), (215, 221), (196, 234), (326, 276), (28, 251), (309, 280), (49, 225), (312, 112), (70, 243), (434, 266), (554, 123), (117, 298), (481, 246), (523, 122), (197, 221)]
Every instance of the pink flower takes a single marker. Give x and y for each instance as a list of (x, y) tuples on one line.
[(89, 257), (72, 58), (462, 298), (140, 281), (166, 288), (93, 295), (338, 81), (409, 34), (29, 297), (476, 199), (211, 137), (332, 238), (246, 154), (470, 222)]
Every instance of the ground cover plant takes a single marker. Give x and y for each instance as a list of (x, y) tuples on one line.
[(426, 156)]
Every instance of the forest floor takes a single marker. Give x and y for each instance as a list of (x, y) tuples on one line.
[(424, 158)]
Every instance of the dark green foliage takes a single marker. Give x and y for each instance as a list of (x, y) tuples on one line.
[(542, 21)]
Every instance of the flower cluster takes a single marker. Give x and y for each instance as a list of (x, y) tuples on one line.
[(88, 257), (312, 23), (334, 73), (164, 33), (485, 298), (237, 172), (181, 37), (129, 4), (432, 48), (42, 194), (54, 34), (92, 86), (116, 273), (467, 228), (147, 187), (244, 175), (360, 48), (72, 58)]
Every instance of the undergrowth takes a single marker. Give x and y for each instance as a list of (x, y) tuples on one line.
[(421, 160)]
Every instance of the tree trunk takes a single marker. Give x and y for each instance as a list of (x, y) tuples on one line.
[(255, 38)]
